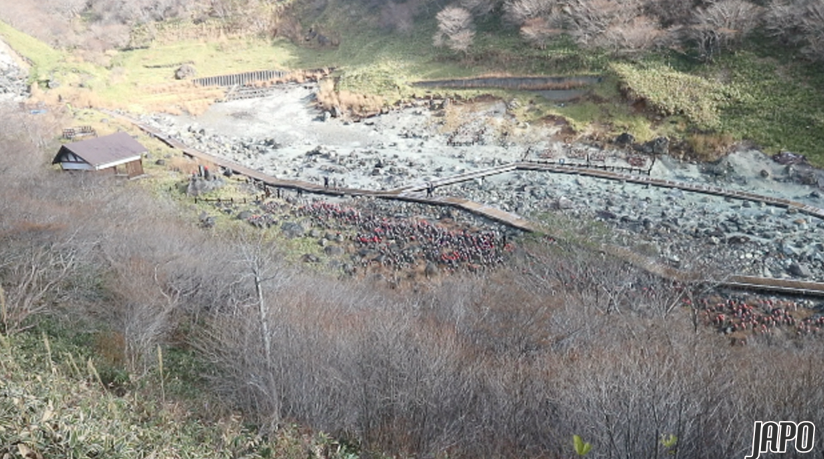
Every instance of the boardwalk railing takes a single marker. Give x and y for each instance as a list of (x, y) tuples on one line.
[(239, 79)]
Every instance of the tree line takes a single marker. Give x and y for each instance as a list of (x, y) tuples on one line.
[(636, 26), (622, 27)]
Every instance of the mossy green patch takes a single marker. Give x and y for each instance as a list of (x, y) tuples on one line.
[(781, 104), (671, 92)]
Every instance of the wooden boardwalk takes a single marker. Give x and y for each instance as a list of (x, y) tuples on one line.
[(453, 179), (693, 187), (413, 193)]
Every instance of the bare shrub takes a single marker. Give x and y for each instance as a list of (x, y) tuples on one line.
[(137, 11), (539, 20), (329, 98), (455, 29), (398, 16), (722, 25), (800, 23), (520, 11), (538, 31), (480, 8), (615, 25), (674, 12), (69, 8), (36, 266), (510, 365), (640, 33)]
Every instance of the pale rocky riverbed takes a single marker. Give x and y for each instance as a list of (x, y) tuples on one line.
[(285, 136)]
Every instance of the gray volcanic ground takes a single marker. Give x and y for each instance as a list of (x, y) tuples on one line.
[(285, 136)]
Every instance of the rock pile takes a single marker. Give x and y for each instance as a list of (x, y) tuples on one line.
[(13, 86)]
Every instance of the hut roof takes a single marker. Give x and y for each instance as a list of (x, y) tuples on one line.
[(103, 152)]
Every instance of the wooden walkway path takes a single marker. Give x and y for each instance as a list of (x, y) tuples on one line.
[(692, 187), (453, 179), (410, 195), (413, 193)]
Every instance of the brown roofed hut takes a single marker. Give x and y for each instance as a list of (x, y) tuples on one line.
[(117, 153)]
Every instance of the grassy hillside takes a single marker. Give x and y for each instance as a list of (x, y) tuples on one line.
[(57, 401), (759, 93)]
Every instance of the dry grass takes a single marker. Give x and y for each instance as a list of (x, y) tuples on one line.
[(346, 101), (180, 97), (709, 147), (453, 118), (59, 403)]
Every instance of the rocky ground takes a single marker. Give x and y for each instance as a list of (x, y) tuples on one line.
[(285, 136), (687, 230), (13, 87)]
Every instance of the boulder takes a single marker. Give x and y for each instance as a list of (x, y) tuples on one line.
[(625, 139), (738, 239), (563, 203), (185, 71), (660, 146), (208, 222), (799, 270), (309, 258), (788, 157), (431, 269), (292, 229), (606, 215)]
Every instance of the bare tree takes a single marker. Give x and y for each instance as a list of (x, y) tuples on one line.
[(722, 25), (798, 22), (455, 29), (621, 26)]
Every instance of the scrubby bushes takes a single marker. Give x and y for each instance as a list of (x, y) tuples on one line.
[(670, 92), (635, 26), (91, 243), (798, 22), (638, 26), (508, 366)]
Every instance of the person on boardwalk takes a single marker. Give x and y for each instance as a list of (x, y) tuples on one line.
[(326, 182)]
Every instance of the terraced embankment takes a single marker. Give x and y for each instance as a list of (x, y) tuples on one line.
[(250, 85)]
